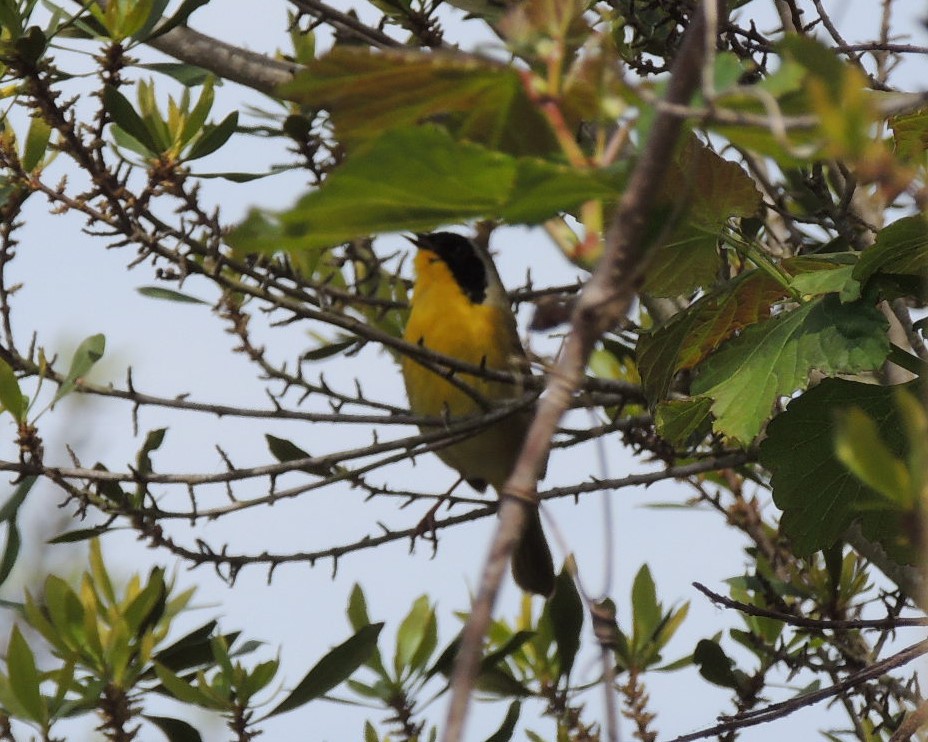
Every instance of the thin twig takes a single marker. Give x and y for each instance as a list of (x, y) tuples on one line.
[(779, 710), (810, 623)]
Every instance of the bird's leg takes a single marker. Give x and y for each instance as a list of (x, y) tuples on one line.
[(426, 526)]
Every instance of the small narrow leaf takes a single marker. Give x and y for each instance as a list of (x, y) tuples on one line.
[(176, 730), (508, 727), (10, 395), (123, 114), (333, 669), (159, 292), (213, 137), (566, 611), (24, 677), (36, 144), (87, 354)]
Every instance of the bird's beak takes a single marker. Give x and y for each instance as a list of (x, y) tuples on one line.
[(419, 239)]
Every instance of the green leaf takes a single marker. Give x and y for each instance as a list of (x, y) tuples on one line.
[(24, 677), (153, 441), (10, 551), (123, 114), (701, 193), (147, 608), (433, 180), (10, 395), (79, 534), (358, 618), (899, 249), (333, 669), (189, 651), (329, 350), (814, 276), (646, 611), (176, 730), (508, 727), (714, 665), (695, 332), (184, 691), (775, 358), (677, 420), (284, 451), (179, 18), (413, 631), (188, 75), (36, 144), (368, 93), (213, 137), (11, 507), (859, 446), (357, 608), (817, 493), (159, 292), (565, 609), (87, 354)]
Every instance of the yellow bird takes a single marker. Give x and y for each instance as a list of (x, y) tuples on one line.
[(460, 309)]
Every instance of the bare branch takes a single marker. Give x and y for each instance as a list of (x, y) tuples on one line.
[(601, 304)]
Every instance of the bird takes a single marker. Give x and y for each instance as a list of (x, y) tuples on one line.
[(459, 308)]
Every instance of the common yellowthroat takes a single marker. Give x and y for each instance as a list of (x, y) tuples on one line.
[(460, 309)]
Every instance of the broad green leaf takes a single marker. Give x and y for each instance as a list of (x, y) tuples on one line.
[(900, 248), (910, 135), (701, 191), (368, 93), (123, 114), (698, 330), (333, 669), (775, 358), (176, 730), (565, 611), (87, 354), (159, 292), (24, 677), (812, 276), (859, 446), (818, 495), (10, 395), (433, 180), (676, 420)]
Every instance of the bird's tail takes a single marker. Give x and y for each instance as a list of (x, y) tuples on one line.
[(532, 565)]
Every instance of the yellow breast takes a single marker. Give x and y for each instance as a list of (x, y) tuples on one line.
[(443, 319)]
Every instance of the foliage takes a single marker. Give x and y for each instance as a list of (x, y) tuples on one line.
[(775, 355)]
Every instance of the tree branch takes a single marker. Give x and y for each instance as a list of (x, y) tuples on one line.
[(779, 710), (603, 302)]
